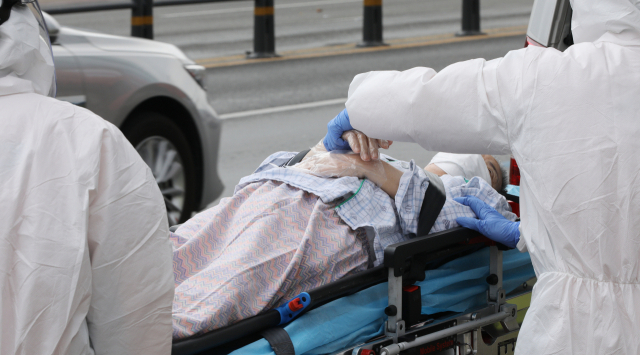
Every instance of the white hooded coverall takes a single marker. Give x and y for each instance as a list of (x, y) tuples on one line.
[(85, 258), (572, 121)]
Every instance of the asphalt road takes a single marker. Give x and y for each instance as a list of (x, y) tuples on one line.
[(246, 141)]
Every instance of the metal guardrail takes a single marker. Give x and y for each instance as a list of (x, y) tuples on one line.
[(58, 10), (264, 22), (141, 12)]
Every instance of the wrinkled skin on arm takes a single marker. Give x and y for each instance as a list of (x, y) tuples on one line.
[(365, 146), (319, 162)]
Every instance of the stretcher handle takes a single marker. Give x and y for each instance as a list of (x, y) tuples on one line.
[(396, 255)]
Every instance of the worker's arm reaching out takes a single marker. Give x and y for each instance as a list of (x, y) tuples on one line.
[(470, 100)]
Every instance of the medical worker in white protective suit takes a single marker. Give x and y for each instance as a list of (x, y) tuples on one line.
[(85, 258), (572, 121)]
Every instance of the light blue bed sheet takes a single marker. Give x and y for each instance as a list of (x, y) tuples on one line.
[(455, 286)]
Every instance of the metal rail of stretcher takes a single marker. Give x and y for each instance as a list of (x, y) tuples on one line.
[(478, 331), (404, 264), (435, 336)]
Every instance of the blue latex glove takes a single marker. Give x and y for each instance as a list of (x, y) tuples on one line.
[(335, 128), (490, 222)]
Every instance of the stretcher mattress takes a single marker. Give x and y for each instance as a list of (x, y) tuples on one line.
[(456, 286)]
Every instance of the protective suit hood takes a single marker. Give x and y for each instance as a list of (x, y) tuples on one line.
[(615, 21), (26, 63)]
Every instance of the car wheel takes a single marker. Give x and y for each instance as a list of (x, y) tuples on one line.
[(166, 150)]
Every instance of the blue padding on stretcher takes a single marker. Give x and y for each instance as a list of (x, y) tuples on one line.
[(457, 286)]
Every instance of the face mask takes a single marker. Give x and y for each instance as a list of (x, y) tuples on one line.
[(465, 165)]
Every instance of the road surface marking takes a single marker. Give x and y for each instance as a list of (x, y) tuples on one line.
[(351, 48), (266, 111), (247, 8)]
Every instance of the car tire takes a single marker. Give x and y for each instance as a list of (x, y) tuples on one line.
[(164, 147)]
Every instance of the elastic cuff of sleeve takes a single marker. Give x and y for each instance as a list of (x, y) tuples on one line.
[(346, 124), (522, 245)]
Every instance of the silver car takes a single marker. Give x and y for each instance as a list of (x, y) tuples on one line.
[(154, 93)]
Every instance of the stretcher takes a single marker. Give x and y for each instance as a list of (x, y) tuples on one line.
[(488, 329)]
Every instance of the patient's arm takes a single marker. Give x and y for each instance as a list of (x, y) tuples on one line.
[(379, 172), (322, 163), (359, 143), (390, 185)]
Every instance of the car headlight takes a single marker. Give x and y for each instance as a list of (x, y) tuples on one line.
[(197, 73)]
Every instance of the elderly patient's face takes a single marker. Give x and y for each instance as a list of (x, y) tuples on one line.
[(494, 171), (492, 165)]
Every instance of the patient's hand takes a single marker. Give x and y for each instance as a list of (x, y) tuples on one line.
[(359, 143), (317, 149), (328, 164), (365, 146), (331, 164)]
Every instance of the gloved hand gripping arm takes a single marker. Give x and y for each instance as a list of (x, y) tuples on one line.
[(341, 136), (490, 222), (335, 128)]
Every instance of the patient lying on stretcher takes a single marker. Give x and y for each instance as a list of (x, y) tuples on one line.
[(288, 230)]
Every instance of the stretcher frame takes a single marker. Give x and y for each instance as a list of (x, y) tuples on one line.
[(404, 264), (498, 320)]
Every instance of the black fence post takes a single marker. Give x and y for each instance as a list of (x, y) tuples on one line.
[(372, 24), (142, 19), (264, 37), (470, 18)]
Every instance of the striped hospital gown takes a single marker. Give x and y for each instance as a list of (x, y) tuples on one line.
[(256, 250)]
